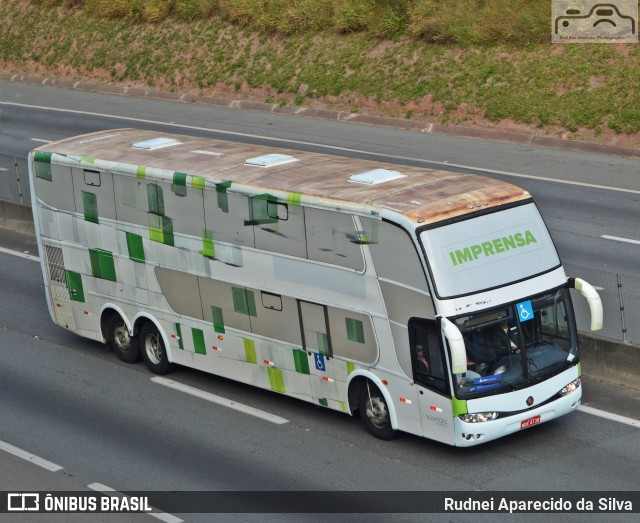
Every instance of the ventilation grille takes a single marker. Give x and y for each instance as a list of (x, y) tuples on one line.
[(55, 263)]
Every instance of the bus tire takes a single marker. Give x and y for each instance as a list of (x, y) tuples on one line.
[(374, 412), (122, 343), (153, 350)]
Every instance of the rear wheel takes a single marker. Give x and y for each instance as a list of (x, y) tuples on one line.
[(375, 413), (123, 344), (153, 350)]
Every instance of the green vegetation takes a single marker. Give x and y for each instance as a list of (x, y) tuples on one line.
[(467, 22), (438, 60)]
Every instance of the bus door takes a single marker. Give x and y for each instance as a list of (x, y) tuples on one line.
[(430, 377), (316, 341)]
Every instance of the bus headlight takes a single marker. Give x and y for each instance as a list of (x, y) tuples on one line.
[(478, 417), (571, 387)]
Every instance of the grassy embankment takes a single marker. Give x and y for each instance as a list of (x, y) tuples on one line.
[(471, 61)]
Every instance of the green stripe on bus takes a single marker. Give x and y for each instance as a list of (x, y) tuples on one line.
[(276, 379), (323, 401), (323, 343), (580, 369), (198, 341), (218, 319), (350, 367), (141, 171), (223, 198), (249, 350), (343, 406), (244, 301), (102, 264), (355, 330), (161, 229), (197, 182), (136, 247), (43, 165), (42, 157), (459, 406), (179, 333), (86, 159), (294, 198), (74, 286), (179, 178), (301, 361), (208, 248), (90, 206)]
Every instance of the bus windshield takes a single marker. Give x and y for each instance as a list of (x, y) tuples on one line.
[(517, 344), (489, 251)]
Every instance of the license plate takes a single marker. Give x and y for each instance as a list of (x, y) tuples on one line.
[(530, 422)]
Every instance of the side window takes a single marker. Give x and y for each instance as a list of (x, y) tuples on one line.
[(131, 196), (53, 183), (394, 254), (93, 193), (352, 335), (427, 355), (331, 238), (315, 328), (278, 226), (225, 217), (184, 205), (276, 317)]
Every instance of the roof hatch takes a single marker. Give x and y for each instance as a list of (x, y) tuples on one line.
[(156, 143), (270, 160), (376, 176)]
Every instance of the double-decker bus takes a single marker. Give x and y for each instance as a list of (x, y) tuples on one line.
[(430, 302)]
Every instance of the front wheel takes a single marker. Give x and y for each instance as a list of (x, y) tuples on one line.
[(153, 350), (122, 343), (375, 413)]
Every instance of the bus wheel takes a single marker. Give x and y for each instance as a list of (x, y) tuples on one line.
[(153, 351), (123, 344), (375, 413)]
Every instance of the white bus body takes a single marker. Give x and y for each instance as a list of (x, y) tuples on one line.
[(431, 302)]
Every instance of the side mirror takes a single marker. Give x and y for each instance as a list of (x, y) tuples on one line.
[(456, 345), (593, 300)]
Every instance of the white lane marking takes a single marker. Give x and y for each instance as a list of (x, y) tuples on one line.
[(162, 516), (329, 147), (219, 400), (20, 254), (609, 415), (4, 169), (618, 239), (32, 458), (40, 140)]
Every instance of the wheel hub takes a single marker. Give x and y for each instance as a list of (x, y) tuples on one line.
[(377, 411)]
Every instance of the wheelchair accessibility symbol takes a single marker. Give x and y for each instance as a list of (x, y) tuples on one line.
[(525, 310), (320, 362)]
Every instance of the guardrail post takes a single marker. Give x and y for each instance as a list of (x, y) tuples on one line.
[(15, 164), (624, 326)]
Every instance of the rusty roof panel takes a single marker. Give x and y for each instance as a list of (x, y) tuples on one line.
[(423, 196)]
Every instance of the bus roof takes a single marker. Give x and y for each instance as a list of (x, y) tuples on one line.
[(422, 195)]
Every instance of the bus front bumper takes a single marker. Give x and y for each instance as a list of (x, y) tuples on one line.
[(470, 434)]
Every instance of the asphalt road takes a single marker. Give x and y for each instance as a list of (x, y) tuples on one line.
[(67, 400)]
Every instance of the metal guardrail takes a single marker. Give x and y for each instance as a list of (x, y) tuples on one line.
[(620, 292), (14, 179)]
